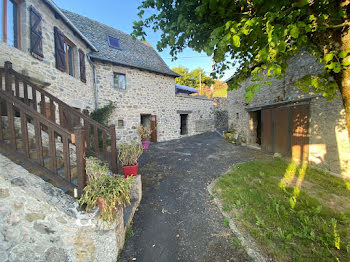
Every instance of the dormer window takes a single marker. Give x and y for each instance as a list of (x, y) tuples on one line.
[(113, 42)]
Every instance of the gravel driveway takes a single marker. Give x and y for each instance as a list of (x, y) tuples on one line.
[(176, 220)]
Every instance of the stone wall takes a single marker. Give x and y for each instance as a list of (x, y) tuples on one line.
[(149, 94), (41, 223), (329, 142), (65, 87), (201, 113), (221, 112)]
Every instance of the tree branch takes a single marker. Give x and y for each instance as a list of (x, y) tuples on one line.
[(346, 23)]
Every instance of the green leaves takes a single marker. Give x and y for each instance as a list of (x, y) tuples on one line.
[(294, 31), (236, 40)]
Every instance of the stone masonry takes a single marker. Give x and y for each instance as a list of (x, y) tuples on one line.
[(65, 87), (41, 223), (329, 142), (154, 94)]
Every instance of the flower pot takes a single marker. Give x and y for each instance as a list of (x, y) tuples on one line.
[(130, 170), (145, 144), (101, 204)]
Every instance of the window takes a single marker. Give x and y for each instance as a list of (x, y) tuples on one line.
[(10, 22), (120, 123), (119, 81), (68, 47), (113, 42)]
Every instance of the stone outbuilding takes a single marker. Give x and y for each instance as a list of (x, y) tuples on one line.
[(302, 126)]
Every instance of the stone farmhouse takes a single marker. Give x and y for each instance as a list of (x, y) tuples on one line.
[(302, 126), (86, 64)]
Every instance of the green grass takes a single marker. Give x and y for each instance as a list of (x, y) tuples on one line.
[(294, 213), (129, 232)]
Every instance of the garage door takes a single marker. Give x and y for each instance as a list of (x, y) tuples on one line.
[(285, 130)]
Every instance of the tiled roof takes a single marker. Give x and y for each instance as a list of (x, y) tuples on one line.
[(132, 52)]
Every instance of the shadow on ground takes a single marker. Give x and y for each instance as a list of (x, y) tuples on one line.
[(176, 220)]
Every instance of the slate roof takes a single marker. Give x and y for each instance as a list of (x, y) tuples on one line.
[(133, 53), (185, 89)]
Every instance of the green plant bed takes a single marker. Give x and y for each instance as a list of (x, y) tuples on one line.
[(295, 213), (112, 190)]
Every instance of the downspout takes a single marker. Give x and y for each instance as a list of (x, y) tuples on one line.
[(94, 80)]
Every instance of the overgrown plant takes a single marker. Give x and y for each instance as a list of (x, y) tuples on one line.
[(112, 190), (129, 153), (102, 114), (144, 132)]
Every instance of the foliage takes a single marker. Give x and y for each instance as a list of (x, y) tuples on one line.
[(257, 35), (102, 114), (288, 209), (192, 78), (144, 132), (129, 153), (112, 190)]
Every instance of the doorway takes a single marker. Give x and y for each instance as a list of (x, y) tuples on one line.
[(184, 124), (150, 121)]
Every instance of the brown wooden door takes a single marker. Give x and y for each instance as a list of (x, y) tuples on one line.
[(267, 130), (281, 139), (154, 128), (300, 131)]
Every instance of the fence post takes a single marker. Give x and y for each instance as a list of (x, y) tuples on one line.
[(79, 133), (114, 159), (8, 67)]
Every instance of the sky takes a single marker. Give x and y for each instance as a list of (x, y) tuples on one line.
[(120, 14)]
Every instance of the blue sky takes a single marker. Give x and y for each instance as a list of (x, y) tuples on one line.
[(120, 14)]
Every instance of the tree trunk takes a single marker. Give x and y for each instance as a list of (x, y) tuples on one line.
[(344, 79)]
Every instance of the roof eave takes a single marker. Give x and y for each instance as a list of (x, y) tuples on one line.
[(56, 9), (130, 66)]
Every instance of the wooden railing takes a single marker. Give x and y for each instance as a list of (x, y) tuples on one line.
[(32, 104), (100, 140)]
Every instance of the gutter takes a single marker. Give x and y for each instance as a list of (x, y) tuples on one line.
[(94, 80), (66, 20)]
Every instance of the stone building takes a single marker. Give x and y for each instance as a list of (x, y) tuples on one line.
[(87, 64), (299, 125)]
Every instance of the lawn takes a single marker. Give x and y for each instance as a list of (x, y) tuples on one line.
[(295, 213)]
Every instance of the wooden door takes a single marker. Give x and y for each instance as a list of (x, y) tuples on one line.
[(281, 138), (267, 130), (154, 128), (300, 131)]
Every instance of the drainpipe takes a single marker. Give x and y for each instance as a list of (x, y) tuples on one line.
[(94, 80)]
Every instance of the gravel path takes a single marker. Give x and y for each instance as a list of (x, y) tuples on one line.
[(176, 220)]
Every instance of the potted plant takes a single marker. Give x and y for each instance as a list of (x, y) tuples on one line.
[(144, 133), (105, 190), (128, 155)]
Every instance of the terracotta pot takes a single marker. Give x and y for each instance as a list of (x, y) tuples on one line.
[(130, 170), (100, 203), (145, 144)]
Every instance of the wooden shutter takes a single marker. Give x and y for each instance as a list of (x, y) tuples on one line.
[(59, 50), (154, 128), (82, 66), (36, 38)]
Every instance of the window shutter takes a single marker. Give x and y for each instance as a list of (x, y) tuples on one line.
[(36, 38), (59, 50), (82, 66)]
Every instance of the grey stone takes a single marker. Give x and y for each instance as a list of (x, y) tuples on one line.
[(43, 228), (54, 254), (30, 217), (18, 181), (22, 253), (4, 192)]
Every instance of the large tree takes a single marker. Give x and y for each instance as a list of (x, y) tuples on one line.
[(195, 78), (260, 35)]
